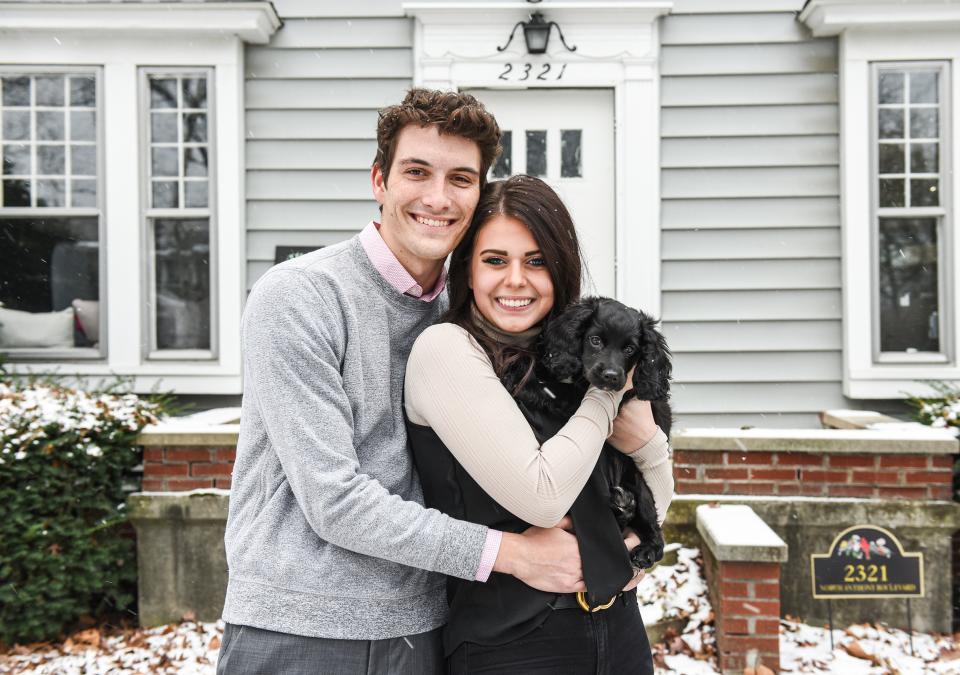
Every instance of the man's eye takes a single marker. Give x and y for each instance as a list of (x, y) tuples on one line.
[(415, 172), (595, 340), (629, 349)]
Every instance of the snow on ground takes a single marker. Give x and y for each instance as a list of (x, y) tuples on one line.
[(189, 648), (668, 592), (864, 650)]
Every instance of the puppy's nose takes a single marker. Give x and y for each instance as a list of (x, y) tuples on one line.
[(610, 376)]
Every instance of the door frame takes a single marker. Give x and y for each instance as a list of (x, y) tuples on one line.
[(618, 47)]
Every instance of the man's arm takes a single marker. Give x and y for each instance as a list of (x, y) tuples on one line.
[(292, 369), (293, 342)]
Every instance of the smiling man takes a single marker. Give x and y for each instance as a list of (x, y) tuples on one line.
[(335, 565)]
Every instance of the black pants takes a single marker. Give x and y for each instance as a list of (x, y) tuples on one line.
[(570, 642)]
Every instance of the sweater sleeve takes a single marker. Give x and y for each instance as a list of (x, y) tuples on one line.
[(293, 343), (654, 463), (452, 388)]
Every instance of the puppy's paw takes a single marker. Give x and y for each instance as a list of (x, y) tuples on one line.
[(645, 555)]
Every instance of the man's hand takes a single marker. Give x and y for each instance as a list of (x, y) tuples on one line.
[(547, 559), (634, 426)]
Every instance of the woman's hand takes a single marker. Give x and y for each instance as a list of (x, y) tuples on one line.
[(634, 426), (631, 541)]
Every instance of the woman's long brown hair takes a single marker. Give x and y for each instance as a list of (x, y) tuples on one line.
[(536, 205)]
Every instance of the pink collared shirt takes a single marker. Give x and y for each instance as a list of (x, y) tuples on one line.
[(386, 263), (392, 270)]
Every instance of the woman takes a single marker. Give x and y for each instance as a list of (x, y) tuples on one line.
[(478, 459)]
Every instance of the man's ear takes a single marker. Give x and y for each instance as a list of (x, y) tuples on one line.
[(379, 183)]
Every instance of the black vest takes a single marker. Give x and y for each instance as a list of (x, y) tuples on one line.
[(504, 609)]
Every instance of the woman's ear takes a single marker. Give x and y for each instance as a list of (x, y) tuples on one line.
[(651, 377), (563, 339)]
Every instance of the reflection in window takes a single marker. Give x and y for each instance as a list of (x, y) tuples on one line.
[(49, 149), (180, 216), (182, 283), (908, 131), (503, 167), (909, 285), (537, 153), (570, 162), (179, 143)]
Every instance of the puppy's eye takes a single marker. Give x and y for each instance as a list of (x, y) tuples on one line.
[(629, 350), (595, 340)]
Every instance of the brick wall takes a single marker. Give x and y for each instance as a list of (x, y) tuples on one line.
[(178, 468), (746, 607), (882, 476)]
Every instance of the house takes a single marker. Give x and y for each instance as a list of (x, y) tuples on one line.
[(772, 177)]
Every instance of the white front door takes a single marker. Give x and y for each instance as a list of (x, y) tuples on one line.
[(565, 137)]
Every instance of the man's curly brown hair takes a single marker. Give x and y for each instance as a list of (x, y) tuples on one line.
[(452, 112)]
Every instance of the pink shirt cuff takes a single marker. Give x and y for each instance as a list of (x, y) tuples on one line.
[(489, 555)]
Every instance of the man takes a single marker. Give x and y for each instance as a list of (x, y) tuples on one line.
[(335, 565)]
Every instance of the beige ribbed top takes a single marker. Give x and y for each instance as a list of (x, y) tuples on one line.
[(452, 388)]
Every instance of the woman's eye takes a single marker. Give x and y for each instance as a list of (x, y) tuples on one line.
[(494, 261), (595, 340), (537, 262)]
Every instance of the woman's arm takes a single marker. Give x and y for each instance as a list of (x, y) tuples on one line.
[(634, 428), (451, 387)]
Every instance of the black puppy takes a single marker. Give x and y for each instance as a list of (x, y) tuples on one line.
[(597, 341)]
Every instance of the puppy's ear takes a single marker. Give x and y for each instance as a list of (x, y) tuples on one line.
[(563, 339), (651, 378)]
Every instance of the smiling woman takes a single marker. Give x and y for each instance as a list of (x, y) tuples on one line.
[(479, 459)]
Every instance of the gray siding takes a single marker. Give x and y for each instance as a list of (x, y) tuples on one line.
[(751, 226), (312, 96)]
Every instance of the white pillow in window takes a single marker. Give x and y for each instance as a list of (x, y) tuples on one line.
[(43, 329), (88, 314)]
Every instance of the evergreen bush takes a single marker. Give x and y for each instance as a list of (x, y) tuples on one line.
[(942, 411), (67, 463)]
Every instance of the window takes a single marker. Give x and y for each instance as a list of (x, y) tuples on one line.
[(911, 195), (50, 218), (179, 212), (900, 288), (112, 202)]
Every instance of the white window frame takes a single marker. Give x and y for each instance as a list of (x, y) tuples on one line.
[(864, 30), (150, 214), (941, 213), (120, 39), (76, 353)]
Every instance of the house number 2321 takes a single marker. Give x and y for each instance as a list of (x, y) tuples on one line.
[(519, 72)]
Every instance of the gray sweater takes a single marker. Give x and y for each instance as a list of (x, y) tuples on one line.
[(326, 534)]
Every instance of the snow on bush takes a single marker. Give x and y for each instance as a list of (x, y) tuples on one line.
[(941, 412), (67, 460)]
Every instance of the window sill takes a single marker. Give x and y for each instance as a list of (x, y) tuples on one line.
[(47, 355), (897, 381)]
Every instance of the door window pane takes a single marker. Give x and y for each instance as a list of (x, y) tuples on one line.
[(924, 158), (537, 153), (49, 283), (909, 285), (16, 90), (891, 192), (503, 167), (50, 91), (570, 157), (182, 283)]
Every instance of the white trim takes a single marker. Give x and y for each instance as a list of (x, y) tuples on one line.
[(120, 54), (833, 17), (864, 40), (250, 21), (618, 46)]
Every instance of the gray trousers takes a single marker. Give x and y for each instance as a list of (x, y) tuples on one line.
[(254, 651)]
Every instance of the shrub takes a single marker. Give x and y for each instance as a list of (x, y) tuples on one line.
[(942, 411), (67, 460)]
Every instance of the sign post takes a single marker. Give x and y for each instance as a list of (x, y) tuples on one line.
[(866, 561)]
